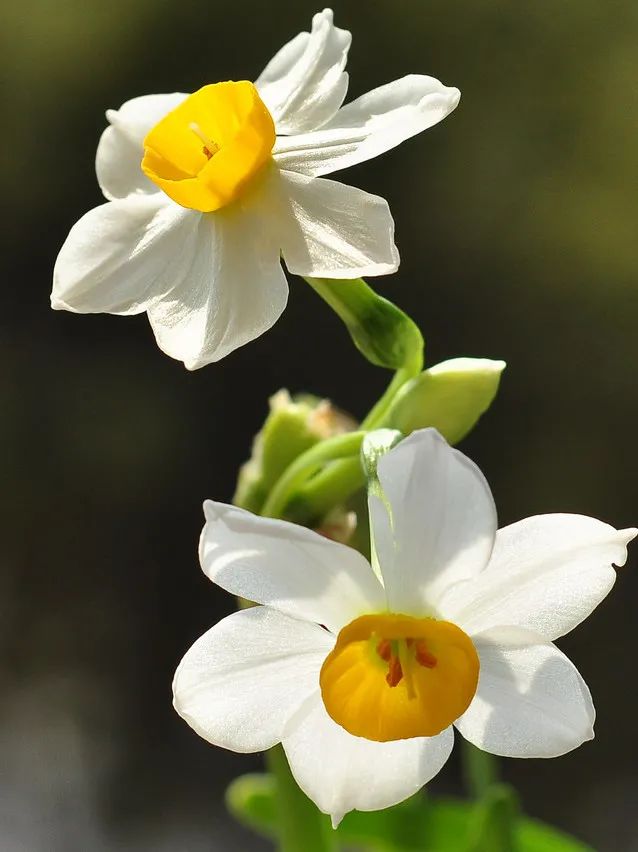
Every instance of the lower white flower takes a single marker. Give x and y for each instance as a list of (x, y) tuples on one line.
[(206, 192), (362, 677)]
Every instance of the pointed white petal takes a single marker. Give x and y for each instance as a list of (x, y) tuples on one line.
[(365, 128), (286, 566), (304, 84), (530, 702), (120, 150), (331, 230), (341, 773), (547, 573), (234, 290), (443, 521), (244, 678), (120, 255)]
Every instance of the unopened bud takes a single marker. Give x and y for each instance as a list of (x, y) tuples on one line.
[(451, 396), (292, 427)]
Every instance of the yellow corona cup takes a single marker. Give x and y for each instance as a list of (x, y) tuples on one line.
[(205, 152)]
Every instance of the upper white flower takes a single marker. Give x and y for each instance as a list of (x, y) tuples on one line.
[(230, 182), (362, 675)]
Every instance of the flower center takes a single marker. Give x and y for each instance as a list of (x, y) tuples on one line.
[(391, 677), (205, 151)]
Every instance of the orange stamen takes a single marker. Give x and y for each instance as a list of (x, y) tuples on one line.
[(384, 650), (395, 672), (424, 657)]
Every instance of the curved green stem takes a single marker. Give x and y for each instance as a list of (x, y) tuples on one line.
[(340, 480), (339, 447), (381, 331), (332, 487), (380, 408), (387, 337), (302, 827)]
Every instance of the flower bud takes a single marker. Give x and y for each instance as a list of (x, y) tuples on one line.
[(293, 425), (451, 396)]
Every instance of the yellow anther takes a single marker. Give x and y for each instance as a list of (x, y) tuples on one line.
[(210, 147)]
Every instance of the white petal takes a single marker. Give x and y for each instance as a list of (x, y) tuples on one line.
[(330, 230), (120, 150), (243, 679), (304, 84), (547, 573), (530, 702), (286, 566), (365, 128), (233, 291), (443, 521), (341, 773), (120, 255)]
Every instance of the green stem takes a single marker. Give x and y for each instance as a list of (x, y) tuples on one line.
[(340, 480), (389, 338), (302, 828), (480, 770), (381, 331), (332, 487), (379, 409), (357, 305), (340, 447)]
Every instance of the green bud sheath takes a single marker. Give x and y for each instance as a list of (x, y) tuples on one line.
[(293, 426), (451, 396)]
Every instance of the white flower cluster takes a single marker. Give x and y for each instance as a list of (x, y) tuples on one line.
[(362, 671)]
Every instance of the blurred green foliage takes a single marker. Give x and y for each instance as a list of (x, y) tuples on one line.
[(419, 824)]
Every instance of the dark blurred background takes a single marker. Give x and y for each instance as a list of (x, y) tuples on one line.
[(516, 220)]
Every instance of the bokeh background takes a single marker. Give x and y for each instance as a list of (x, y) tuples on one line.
[(516, 220)]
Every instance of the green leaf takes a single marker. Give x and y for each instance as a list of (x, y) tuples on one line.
[(382, 333), (416, 825), (251, 800), (450, 396), (535, 836)]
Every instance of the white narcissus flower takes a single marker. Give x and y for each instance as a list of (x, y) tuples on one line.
[(362, 675), (207, 191)]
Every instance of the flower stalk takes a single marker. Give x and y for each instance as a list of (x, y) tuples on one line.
[(480, 770), (314, 496), (339, 447), (301, 825)]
